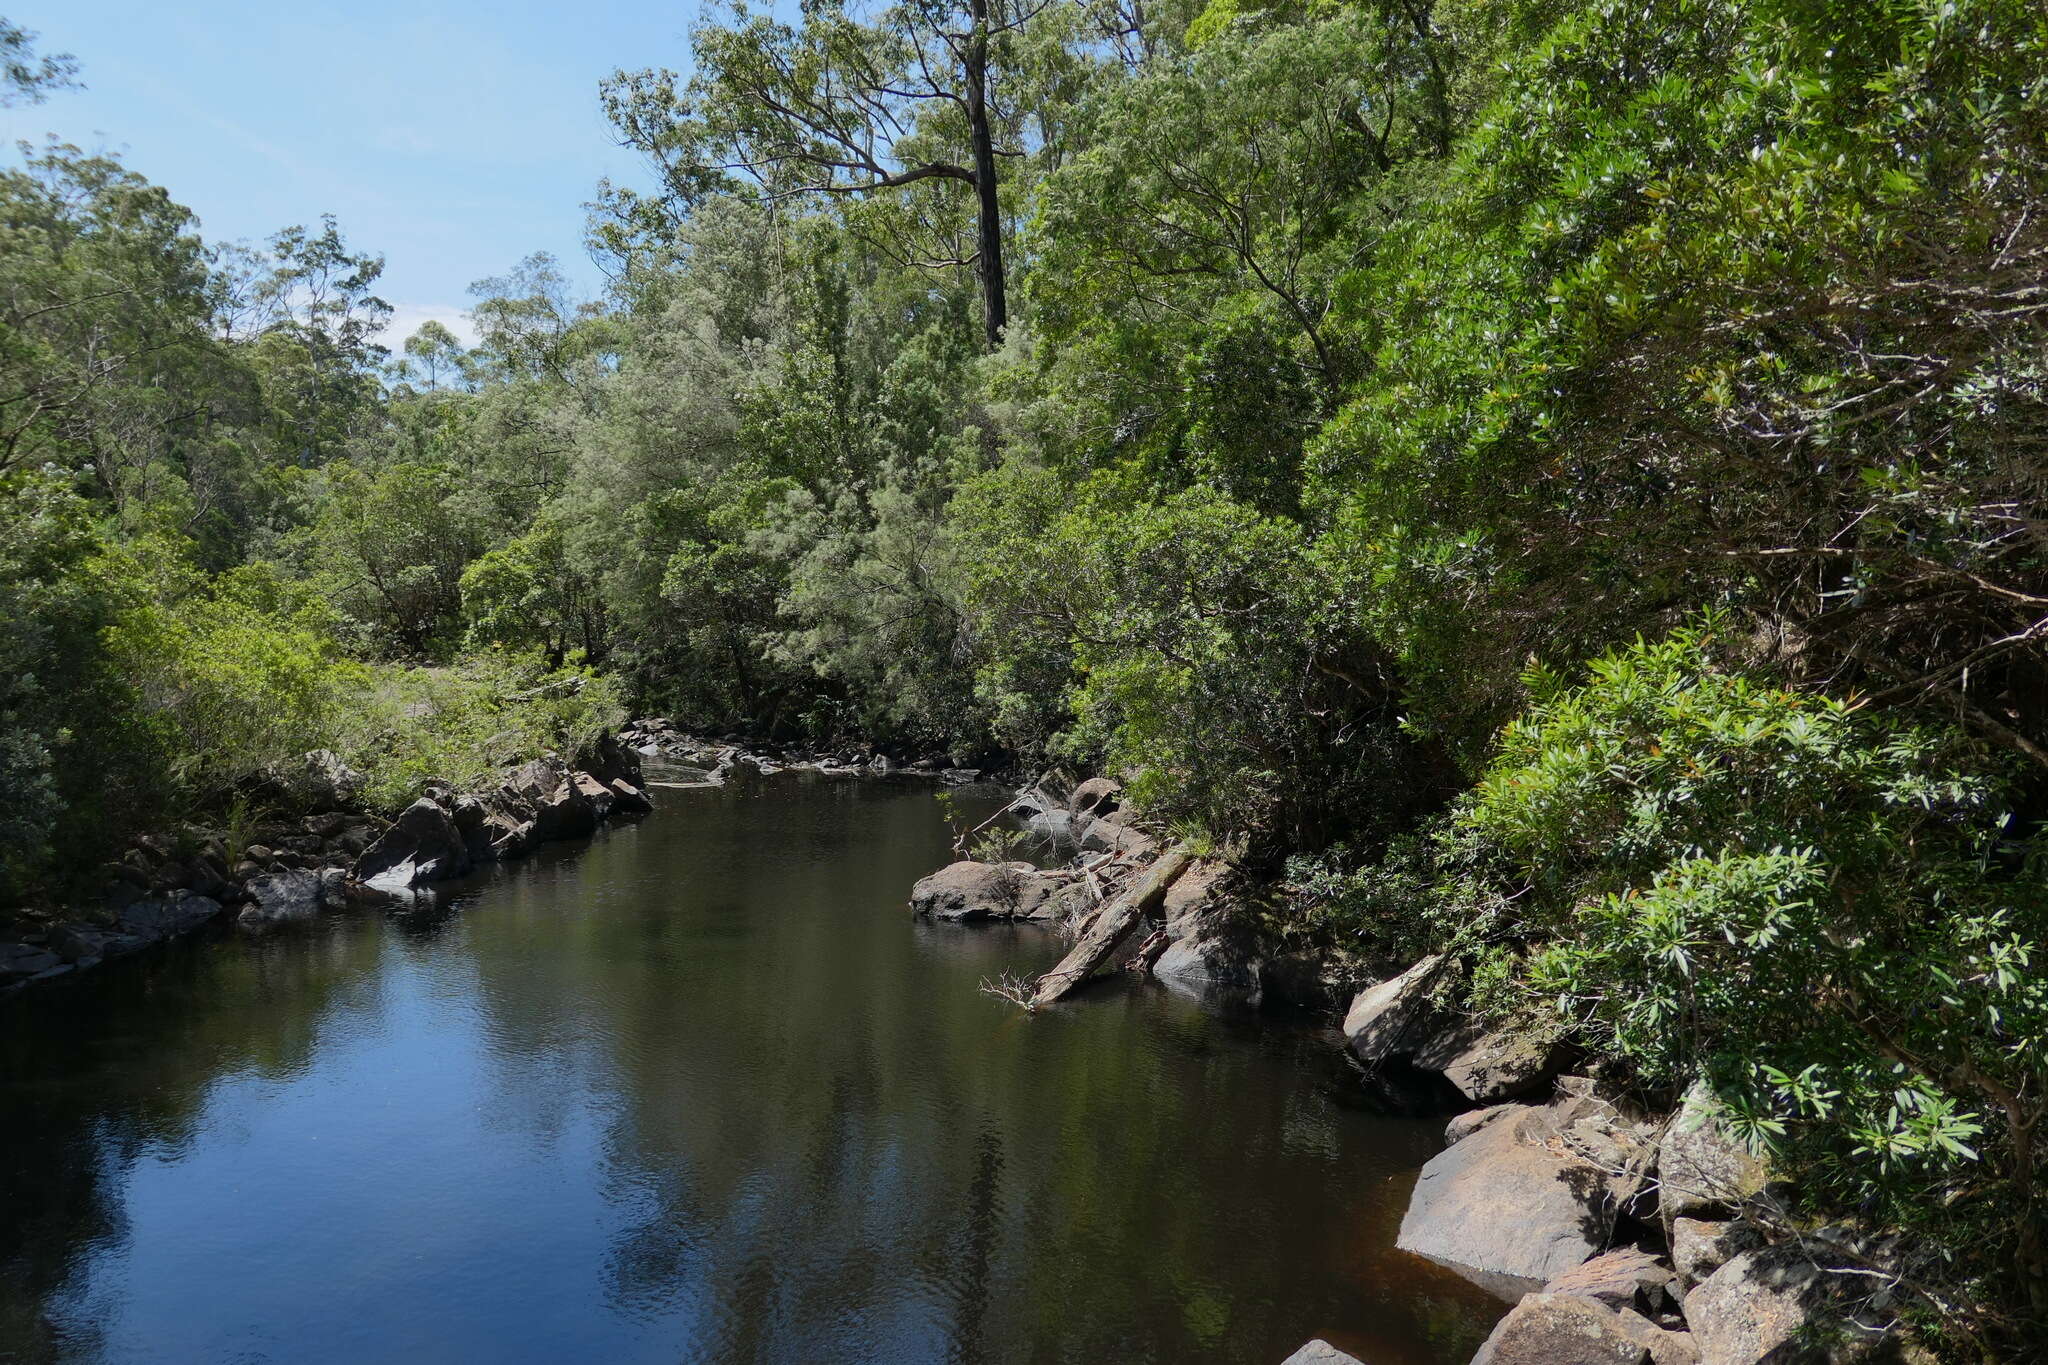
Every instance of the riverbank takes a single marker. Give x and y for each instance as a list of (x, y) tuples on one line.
[(1621, 1232), (321, 844)]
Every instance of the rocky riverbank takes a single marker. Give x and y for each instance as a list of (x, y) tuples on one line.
[(1621, 1236), (318, 848)]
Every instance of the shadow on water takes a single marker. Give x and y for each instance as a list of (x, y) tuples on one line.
[(700, 1090)]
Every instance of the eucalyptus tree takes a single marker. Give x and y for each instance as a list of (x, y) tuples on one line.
[(891, 105)]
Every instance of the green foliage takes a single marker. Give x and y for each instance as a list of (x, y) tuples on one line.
[(1832, 914), (76, 756), (461, 725), (1371, 367), (235, 673)]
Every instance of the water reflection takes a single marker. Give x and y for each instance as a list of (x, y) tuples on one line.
[(705, 1093)]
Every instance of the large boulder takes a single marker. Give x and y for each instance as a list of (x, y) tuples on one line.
[(1702, 1166), (629, 798), (1512, 1205), (1320, 1352), (969, 890), (280, 898), (1571, 1329), (1752, 1309), (1107, 834), (1384, 1019), (1212, 957), (472, 823), (422, 845), (1096, 796), (1398, 1020), (566, 812), (599, 794), (1700, 1247), (1489, 1065)]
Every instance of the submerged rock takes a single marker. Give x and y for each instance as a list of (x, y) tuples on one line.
[(167, 916), (281, 897)]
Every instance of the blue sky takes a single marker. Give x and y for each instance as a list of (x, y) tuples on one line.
[(453, 137)]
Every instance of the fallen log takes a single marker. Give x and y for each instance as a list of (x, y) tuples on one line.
[(1113, 924)]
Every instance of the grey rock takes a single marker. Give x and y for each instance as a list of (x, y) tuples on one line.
[(161, 917), (206, 876), (1320, 1352), (1498, 1064), (1699, 1248), (1510, 1205), (970, 890), (319, 781), (1627, 1278), (1702, 1166), (280, 898), (1752, 1309), (599, 794), (560, 809), (1110, 835), (629, 797), (608, 760), (1561, 1329), (1383, 1020), (1466, 1124), (1208, 959), (472, 823), (422, 845), (24, 961), (1096, 796)]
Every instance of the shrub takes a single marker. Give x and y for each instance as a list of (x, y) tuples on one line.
[(1829, 913)]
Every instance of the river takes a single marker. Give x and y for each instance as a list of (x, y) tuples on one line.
[(700, 1090)]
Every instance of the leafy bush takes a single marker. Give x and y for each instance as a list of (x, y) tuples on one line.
[(1830, 913), (461, 724), (238, 672)]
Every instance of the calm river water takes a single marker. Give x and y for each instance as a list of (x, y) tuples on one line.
[(700, 1091)]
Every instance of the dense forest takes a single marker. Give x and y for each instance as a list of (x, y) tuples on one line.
[(1562, 483)]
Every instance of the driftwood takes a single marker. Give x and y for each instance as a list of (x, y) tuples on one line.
[(1112, 926)]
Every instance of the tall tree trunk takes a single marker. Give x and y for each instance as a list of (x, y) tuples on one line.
[(994, 305)]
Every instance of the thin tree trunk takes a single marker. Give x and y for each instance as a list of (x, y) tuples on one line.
[(994, 304)]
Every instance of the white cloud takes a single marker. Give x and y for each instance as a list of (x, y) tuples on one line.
[(406, 319)]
